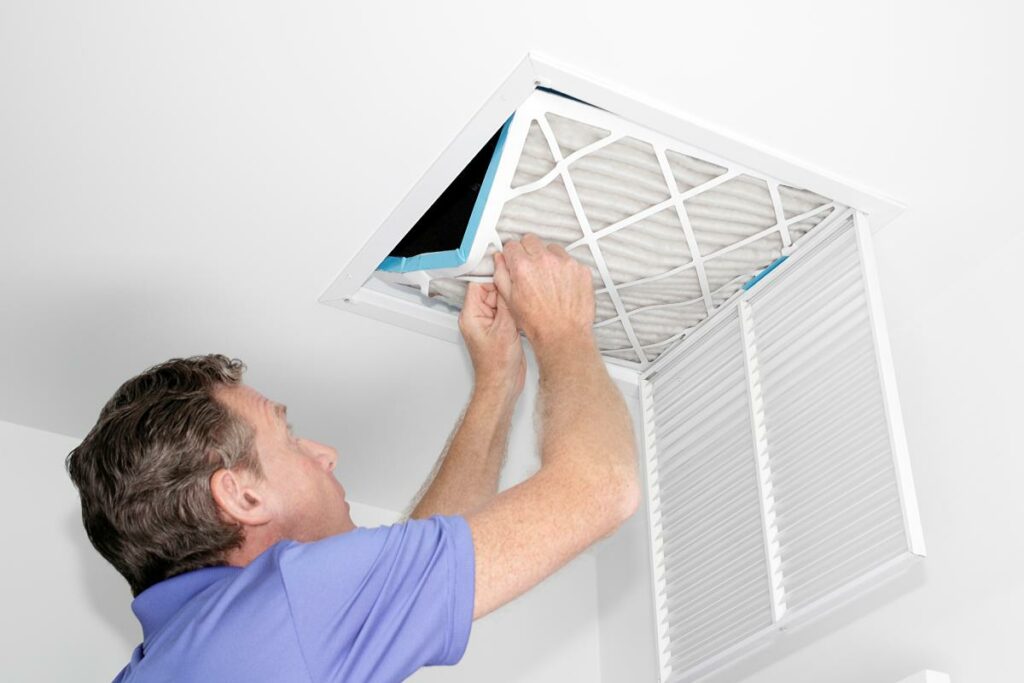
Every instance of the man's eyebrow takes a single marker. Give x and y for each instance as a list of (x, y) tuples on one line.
[(281, 411)]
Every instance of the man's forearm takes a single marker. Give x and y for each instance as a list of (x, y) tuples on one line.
[(584, 421), (466, 474)]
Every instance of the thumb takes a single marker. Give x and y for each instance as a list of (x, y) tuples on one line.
[(502, 280), (502, 312), (503, 316)]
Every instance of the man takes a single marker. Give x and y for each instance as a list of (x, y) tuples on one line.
[(237, 541)]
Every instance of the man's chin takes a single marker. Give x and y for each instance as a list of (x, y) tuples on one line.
[(346, 519)]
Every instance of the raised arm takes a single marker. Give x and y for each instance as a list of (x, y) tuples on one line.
[(587, 484), (466, 474)]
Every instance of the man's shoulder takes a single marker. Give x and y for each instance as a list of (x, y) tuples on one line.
[(352, 553), (367, 542)]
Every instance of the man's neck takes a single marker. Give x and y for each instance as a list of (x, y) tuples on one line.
[(257, 540)]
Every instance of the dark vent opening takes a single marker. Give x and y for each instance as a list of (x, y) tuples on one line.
[(442, 227)]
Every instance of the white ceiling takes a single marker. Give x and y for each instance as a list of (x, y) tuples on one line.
[(188, 179)]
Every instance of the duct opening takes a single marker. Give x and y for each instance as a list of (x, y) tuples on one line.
[(442, 231)]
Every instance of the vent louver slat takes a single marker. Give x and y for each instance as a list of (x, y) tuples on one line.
[(717, 584), (841, 389), (774, 461)]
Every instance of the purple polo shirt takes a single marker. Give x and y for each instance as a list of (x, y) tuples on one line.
[(373, 604)]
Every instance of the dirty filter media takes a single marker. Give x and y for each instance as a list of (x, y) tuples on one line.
[(668, 236)]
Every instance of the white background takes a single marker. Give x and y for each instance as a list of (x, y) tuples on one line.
[(188, 178)]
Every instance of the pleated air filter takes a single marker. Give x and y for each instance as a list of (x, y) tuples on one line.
[(670, 232), (736, 297)]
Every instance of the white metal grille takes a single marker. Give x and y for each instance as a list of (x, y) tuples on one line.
[(713, 580), (776, 467), (839, 511)]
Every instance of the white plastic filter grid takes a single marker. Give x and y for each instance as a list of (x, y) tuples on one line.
[(670, 232)]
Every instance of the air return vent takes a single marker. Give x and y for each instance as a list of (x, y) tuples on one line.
[(735, 294)]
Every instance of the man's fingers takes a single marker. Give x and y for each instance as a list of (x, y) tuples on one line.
[(532, 244), (559, 251), (512, 252), (489, 294), (502, 309), (476, 304), (470, 307), (473, 293), (502, 281)]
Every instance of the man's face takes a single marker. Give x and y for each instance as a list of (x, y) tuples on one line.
[(306, 501)]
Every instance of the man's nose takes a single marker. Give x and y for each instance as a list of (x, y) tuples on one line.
[(327, 456)]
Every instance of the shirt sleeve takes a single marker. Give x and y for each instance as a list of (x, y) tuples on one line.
[(379, 603)]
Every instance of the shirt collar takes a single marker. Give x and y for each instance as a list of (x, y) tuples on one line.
[(158, 603)]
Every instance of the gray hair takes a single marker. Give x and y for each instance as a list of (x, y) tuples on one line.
[(143, 471)]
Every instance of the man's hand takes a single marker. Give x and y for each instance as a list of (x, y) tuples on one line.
[(549, 294), (493, 341)]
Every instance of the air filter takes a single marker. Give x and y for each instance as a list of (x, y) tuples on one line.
[(670, 232)]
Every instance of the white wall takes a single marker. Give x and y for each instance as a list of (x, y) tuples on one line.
[(625, 597), (67, 614), (626, 604)]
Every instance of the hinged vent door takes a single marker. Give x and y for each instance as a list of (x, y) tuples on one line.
[(775, 459)]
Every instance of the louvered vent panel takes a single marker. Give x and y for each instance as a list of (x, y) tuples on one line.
[(777, 475), (715, 586), (838, 505)]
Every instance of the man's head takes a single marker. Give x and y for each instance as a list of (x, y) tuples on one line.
[(187, 468)]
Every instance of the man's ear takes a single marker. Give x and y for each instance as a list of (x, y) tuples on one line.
[(238, 499)]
